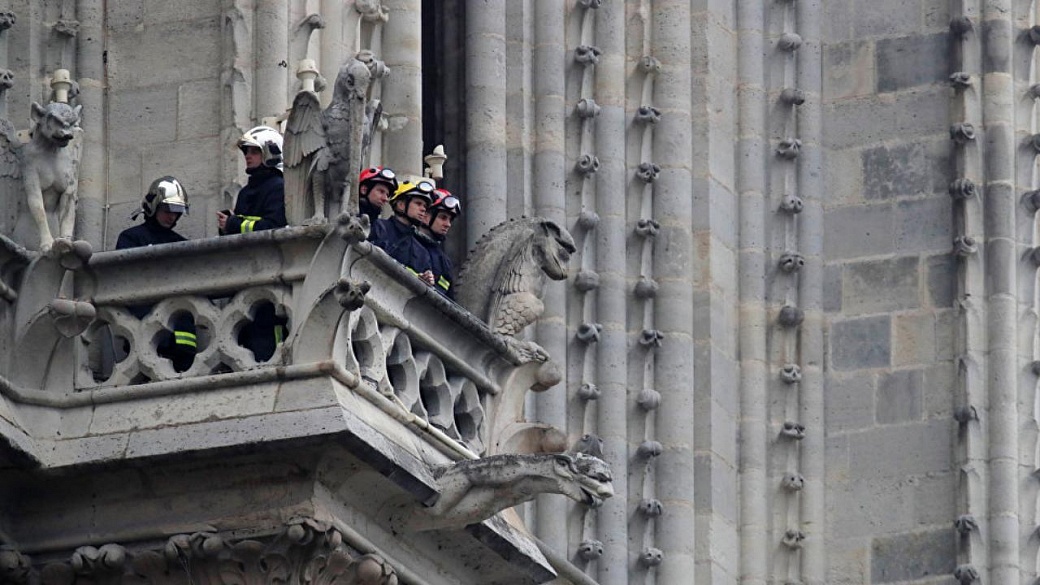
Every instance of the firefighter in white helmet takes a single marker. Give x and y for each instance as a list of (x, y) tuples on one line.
[(260, 205)]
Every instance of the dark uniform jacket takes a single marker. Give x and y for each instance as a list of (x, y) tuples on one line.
[(260, 204), (440, 264), (180, 345), (402, 244), (366, 208)]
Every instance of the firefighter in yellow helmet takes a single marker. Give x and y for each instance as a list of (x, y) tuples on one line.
[(397, 234)]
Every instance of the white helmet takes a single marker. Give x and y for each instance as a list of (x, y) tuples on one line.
[(166, 191), (269, 141)]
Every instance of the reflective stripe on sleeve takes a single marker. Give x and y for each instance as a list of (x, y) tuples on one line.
[(185, 338), (443, 283)]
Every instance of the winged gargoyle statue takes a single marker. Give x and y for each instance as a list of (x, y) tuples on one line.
[(323, 147), (504, 276), (473, 490)]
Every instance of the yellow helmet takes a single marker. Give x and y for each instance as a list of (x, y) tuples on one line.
[(407, 189)]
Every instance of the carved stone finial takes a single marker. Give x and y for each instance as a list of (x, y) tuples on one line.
[(793, 538), (350, 294), (588, 220), (960, 80), (590, 550), (965, 414), (586, 280), (649, 399), (793, 430), (648, 115), (648, 172), (962, 188), (7, 20), (790, 316), (789, 148), (587, 164), (964, 246), (589, 333), (650, 449), (1031, 199), (961, 25), (962, 133), (71, 317), (587, 54), (589, 444), (651, 557), (651, 338), (588, 108), (789, 42), (6, 80), (372, 10), (791, 204), (651, 508), (589, 391), (793, 482), (67, 28), (966, 574), (791, 262), (792, 96), (650, 64), (791, 373), (646, 288), (965, 524), (647, 228), (88, 560)]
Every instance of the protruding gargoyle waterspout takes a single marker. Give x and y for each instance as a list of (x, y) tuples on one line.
[(474, 490), (504, 276)]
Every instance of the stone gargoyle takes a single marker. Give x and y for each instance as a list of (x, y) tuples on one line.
[(49, 169), (323, 148), (504, 276), (474, 490)]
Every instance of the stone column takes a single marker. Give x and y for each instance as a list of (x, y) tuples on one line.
[(752, 149), (486, 116), (810, 291), (549, 198), (611, 312), (673, 304), (997, 34), (92, 209), (273, 63), (331, 48), (402, 89)]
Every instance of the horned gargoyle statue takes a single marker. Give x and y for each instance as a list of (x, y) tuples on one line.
[(474, 490), (50, 172), (504, 276)]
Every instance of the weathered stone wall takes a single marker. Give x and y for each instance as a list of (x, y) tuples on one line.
[(890, 283)]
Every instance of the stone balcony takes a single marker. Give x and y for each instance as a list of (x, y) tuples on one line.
[(379, 381)]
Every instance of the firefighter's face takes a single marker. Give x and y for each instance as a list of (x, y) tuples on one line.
[(441, 224), (165, 217), (253, 156), (378, 194), (417, 209)]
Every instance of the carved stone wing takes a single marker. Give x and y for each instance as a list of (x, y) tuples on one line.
[(304, 144), (12, 191)]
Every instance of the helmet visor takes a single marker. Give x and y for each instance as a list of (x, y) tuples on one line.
[(174, 207)]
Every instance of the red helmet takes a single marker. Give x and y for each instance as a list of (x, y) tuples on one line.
[(443, 200), (379, 175)]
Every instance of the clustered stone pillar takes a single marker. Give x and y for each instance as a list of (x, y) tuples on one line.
[(272, 67), (667, 291), (549, 199), (486, 186), (91, 213), (402, 91), (755, 377), (810, 287), (997, 34)]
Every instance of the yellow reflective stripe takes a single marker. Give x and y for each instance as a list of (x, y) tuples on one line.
[(184, 338), (443, 282), (409, 269), (248, 222), (279, 334)]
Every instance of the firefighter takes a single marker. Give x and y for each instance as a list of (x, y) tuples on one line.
[(260, 205), (375, 186), (162, 207), (439, 218), (397, 234)]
